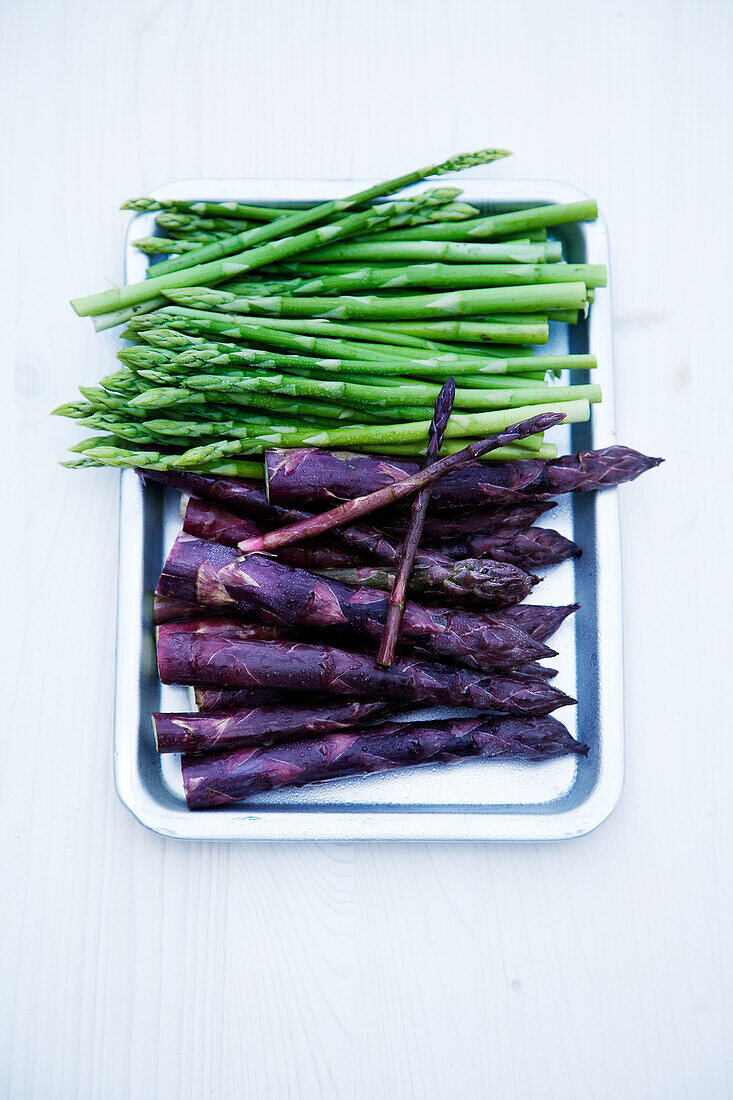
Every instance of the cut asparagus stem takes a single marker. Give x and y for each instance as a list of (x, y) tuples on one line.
[(398, 594)]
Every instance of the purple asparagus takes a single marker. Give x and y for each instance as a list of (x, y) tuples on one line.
[(260, 725), (531, 549), (539, 620), (481, 579), (199, 571), (215, 662), (398, 591), (207, 699), (226, 777), (207, 521), (478, 521), (365, 505), (307, 475)]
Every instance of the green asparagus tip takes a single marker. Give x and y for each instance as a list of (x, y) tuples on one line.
[(141, 205), (470, 160), (87, 444)]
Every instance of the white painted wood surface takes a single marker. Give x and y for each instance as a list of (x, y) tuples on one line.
[(132, 967)]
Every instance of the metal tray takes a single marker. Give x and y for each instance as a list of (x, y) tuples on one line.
[(474, 800)]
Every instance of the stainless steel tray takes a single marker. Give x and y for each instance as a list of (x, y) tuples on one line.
[(475, 800)]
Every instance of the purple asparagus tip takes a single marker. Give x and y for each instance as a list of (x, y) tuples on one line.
[(441, 416)]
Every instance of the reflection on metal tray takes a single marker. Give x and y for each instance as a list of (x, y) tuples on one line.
[(474, 800)]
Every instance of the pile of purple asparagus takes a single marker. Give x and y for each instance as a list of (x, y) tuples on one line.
[(271, 605)]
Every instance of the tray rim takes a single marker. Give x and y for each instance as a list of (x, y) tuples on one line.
[(447, 824)]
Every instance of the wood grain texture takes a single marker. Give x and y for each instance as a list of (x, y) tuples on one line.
[(134, 967)]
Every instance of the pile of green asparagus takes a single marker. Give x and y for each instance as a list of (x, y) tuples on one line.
[(335, 326)]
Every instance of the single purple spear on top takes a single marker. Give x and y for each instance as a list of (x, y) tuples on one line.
[(398, 595)]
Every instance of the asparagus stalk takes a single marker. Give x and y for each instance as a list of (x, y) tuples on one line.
[(540, 621), (179, 223), (294, 666), (167, 246), (233, 776), (260, 725), (206, 521), (198, 571), (310, 475), (515, 299), (388, 251), (530, 549), (445, 276), (515, 222), (208, 699), (213, 270), (207, 209), (398, 593), (410, 393), (481, 521)]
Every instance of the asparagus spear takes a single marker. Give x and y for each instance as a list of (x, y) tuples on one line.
[(260, 725), (166, 246), (398, 592), (381, 251), (206, 521), (539, 620), (170, 273), (208, 699), (209, 661), (497, 225), (193, 224), (233, 776), (207, 209), (294, 477), (361, 506), (530, 549), (445, 276), (198, 571), (514, 299), (407, 393), (480, 521)]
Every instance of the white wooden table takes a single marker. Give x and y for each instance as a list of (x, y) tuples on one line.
[(132, 967)]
